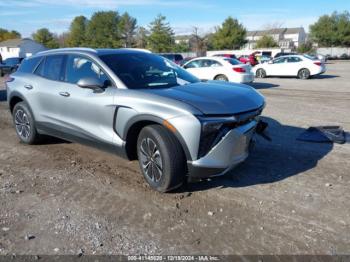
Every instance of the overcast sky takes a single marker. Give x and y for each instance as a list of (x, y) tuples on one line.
[(26, 16)]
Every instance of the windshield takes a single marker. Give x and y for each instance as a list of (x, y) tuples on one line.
[(144, 70)]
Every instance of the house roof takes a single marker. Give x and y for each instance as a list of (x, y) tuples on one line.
[(14, 42), (275, 31)]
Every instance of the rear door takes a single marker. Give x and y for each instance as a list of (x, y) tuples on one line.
[(86, 116), (294, 65)]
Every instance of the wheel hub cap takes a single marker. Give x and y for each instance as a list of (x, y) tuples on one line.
[(151, 159)]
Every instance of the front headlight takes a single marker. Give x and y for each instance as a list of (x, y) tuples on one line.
[(213, 130)]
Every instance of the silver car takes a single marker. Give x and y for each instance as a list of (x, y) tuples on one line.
[(137, 105)]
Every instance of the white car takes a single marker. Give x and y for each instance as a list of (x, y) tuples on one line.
[(220, 68), (301, 66)]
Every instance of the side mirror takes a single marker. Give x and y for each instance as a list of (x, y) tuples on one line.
[(91, 83)]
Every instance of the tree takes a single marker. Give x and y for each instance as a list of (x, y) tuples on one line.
[(62, 39), (141, 37), (198, 43), (46, 38), (266, 41), (231, 35), (102, 31), (332, 30), (127, 25), (306, 47), (161, 38), (77, 32), (5, 34), (181, 47)]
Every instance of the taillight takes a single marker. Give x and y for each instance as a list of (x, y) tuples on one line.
[(8, 79), (239, 69), (318, 63)]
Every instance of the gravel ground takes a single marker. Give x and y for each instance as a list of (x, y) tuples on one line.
[(289, 197)]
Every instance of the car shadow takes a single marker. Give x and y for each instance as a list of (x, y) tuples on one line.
[(324, 76), (270, 162), (260, 85), (3, 95)]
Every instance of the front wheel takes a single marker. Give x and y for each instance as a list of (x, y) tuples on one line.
[(161, 158), (304, 73)]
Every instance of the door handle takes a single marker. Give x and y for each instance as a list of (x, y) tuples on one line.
[(65, 94), (28, 87)]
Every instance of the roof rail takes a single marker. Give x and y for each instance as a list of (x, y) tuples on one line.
[(68, 49)]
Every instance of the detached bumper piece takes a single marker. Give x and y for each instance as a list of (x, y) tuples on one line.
[(324, 134)]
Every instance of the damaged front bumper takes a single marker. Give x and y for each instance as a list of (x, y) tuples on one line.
[(224, 156)]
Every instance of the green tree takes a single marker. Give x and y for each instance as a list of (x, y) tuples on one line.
[(46, 38), (5, 34), (77, 32), (332, 30), (102, 31), (141, 37), (305, 48), (231, 35), (127, 25), (161, 38), (266, 41), (181, 47)]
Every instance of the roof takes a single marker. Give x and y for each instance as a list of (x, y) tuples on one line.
[(14, 42), (275, 31), (94, 51)]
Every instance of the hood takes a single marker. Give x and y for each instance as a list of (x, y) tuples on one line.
[(214, 97)]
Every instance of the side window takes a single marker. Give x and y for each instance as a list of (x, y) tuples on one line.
[(193, 64), (279, 60), (28, 65), (51, 67), (293, 59), (79, 67), (213, 63)]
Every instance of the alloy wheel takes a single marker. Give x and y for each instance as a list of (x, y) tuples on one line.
[(151, 159), (22, 124)]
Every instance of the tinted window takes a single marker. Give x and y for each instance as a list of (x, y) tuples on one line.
[(280, 60), (293, 59), (12, 61), (51, 67), (144, 70), (209, 63), (193, 64), (178, 57), (79, 67), (28, 65)]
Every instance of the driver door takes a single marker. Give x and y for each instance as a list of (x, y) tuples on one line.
[(279, 67)]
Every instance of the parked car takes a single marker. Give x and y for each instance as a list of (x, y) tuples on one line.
[(226, 55), (220, 68), (9, 65), (244, 59), (249, 59), (176, 58), (284, 54), (301, 66), (137, 105), (185, 60)]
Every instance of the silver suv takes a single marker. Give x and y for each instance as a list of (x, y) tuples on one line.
[(137, 105)]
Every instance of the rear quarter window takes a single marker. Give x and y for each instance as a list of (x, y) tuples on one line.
[(28, 65)]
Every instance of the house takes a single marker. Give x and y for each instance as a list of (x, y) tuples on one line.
[(20, 48), (287, 38)]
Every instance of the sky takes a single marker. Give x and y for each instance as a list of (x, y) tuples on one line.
[(26, 16)]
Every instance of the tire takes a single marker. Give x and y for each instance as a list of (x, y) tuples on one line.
[(24, 123), (260, 73), (304, 73), (166, 168), (221, 78)]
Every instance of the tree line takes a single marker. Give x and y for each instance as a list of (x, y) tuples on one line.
[(109, 29)]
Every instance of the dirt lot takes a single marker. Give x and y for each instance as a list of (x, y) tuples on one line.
[(289, 197)]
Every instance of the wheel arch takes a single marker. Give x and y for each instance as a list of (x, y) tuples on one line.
[(134, 127)]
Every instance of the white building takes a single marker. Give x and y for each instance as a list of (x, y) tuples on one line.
[(19, 48), (287, 38)]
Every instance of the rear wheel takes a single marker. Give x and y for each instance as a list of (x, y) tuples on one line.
[(24, 124), (304, 73), (261, 73), (221, 78), (161, 158)]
